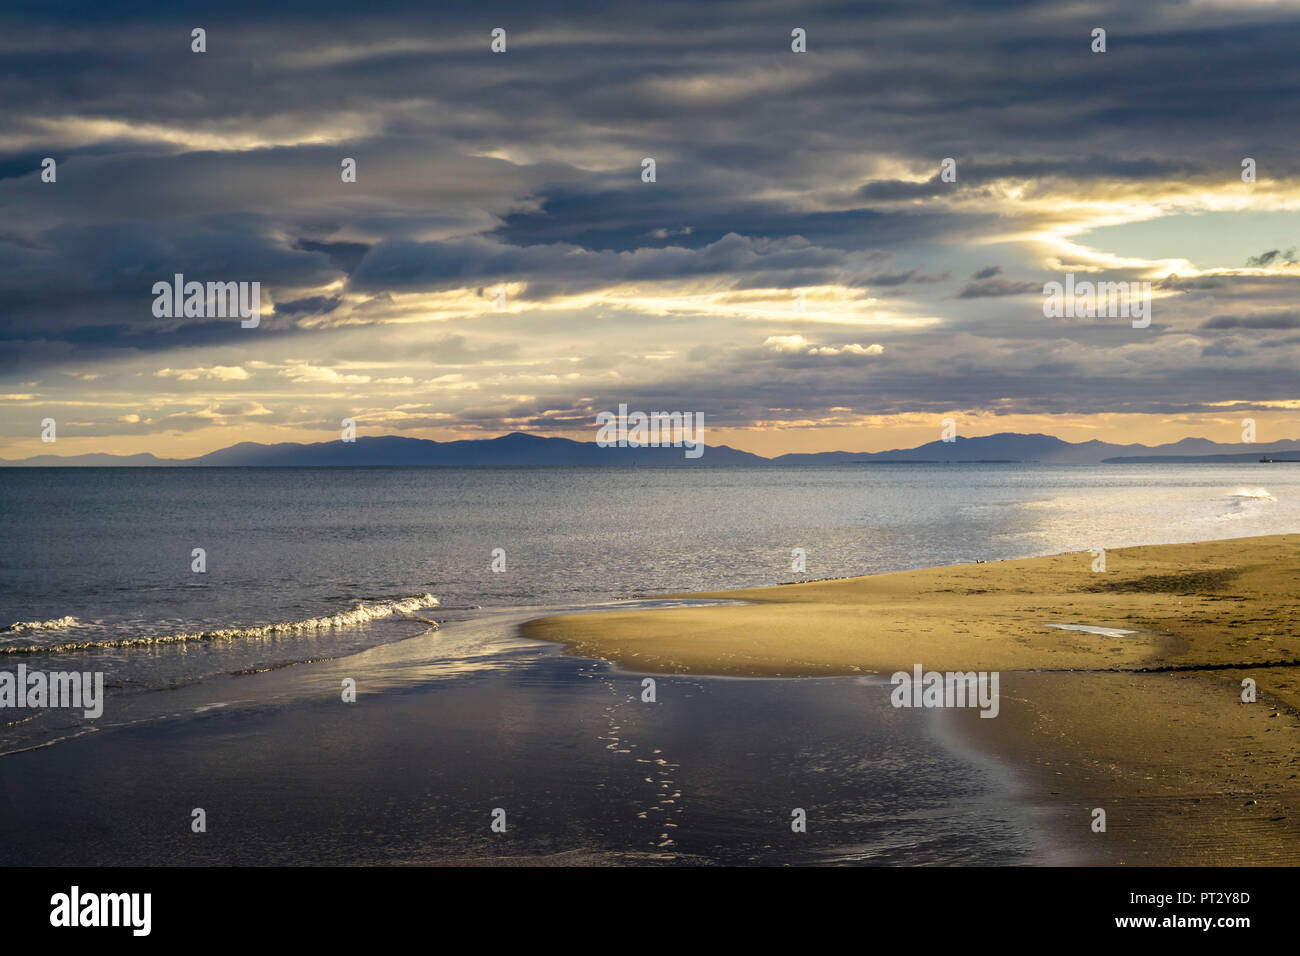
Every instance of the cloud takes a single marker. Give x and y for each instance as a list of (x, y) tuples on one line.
[(221, 373), (851, 349), (456, 264), (786, 343), (1266, 259), (798, 345), (304, 373), (522, 172), (1259, 320), (890, 189), (997, 286)]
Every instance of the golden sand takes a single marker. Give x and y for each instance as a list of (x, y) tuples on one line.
[(1149, 726)]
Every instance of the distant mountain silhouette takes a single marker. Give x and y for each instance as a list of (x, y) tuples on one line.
[(1014, 447), (521, 450)]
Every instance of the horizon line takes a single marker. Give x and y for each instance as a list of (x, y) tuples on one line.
[(1261, 446)]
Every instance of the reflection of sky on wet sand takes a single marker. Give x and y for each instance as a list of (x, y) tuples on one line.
[(585, 770)]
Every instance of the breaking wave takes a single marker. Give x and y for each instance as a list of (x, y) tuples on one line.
[(1246, 503), (360, 613), (1252, 493), (55, 624)]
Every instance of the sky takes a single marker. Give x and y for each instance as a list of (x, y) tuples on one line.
[(799, 271)]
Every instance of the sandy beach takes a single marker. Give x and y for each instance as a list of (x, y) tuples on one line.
[(1148, 725)]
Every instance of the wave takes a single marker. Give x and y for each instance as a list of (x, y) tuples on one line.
[(1246, 503), (361, 613), (1252, 493), (54, 624)]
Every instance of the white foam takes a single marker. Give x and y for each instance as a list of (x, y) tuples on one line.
[(361, 613), (53, 624)]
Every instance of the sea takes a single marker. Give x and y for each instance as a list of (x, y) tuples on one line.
[(227, 610)]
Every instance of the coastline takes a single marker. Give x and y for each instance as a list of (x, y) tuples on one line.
[(1148, 726)]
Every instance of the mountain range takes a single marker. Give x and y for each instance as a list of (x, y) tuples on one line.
[(522, 450)]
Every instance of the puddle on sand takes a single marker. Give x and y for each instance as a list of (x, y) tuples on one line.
[(1093, 629)]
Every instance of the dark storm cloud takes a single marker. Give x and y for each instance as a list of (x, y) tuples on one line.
[(93, 285), (455, 264), (312, 305), (344, 256), (888, 189), (1273, 257), (1263, 320), (889, 279), (599, 218), (998, 286)]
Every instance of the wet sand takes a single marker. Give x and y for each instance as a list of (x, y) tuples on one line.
[(1148, 726), (449, 725)]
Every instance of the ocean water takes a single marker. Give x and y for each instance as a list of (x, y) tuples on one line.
[(313, 576)]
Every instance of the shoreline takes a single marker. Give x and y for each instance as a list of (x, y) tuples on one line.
[(450, 721), (1147, 725)]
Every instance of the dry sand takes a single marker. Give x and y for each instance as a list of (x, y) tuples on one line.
[(1149, 726)]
